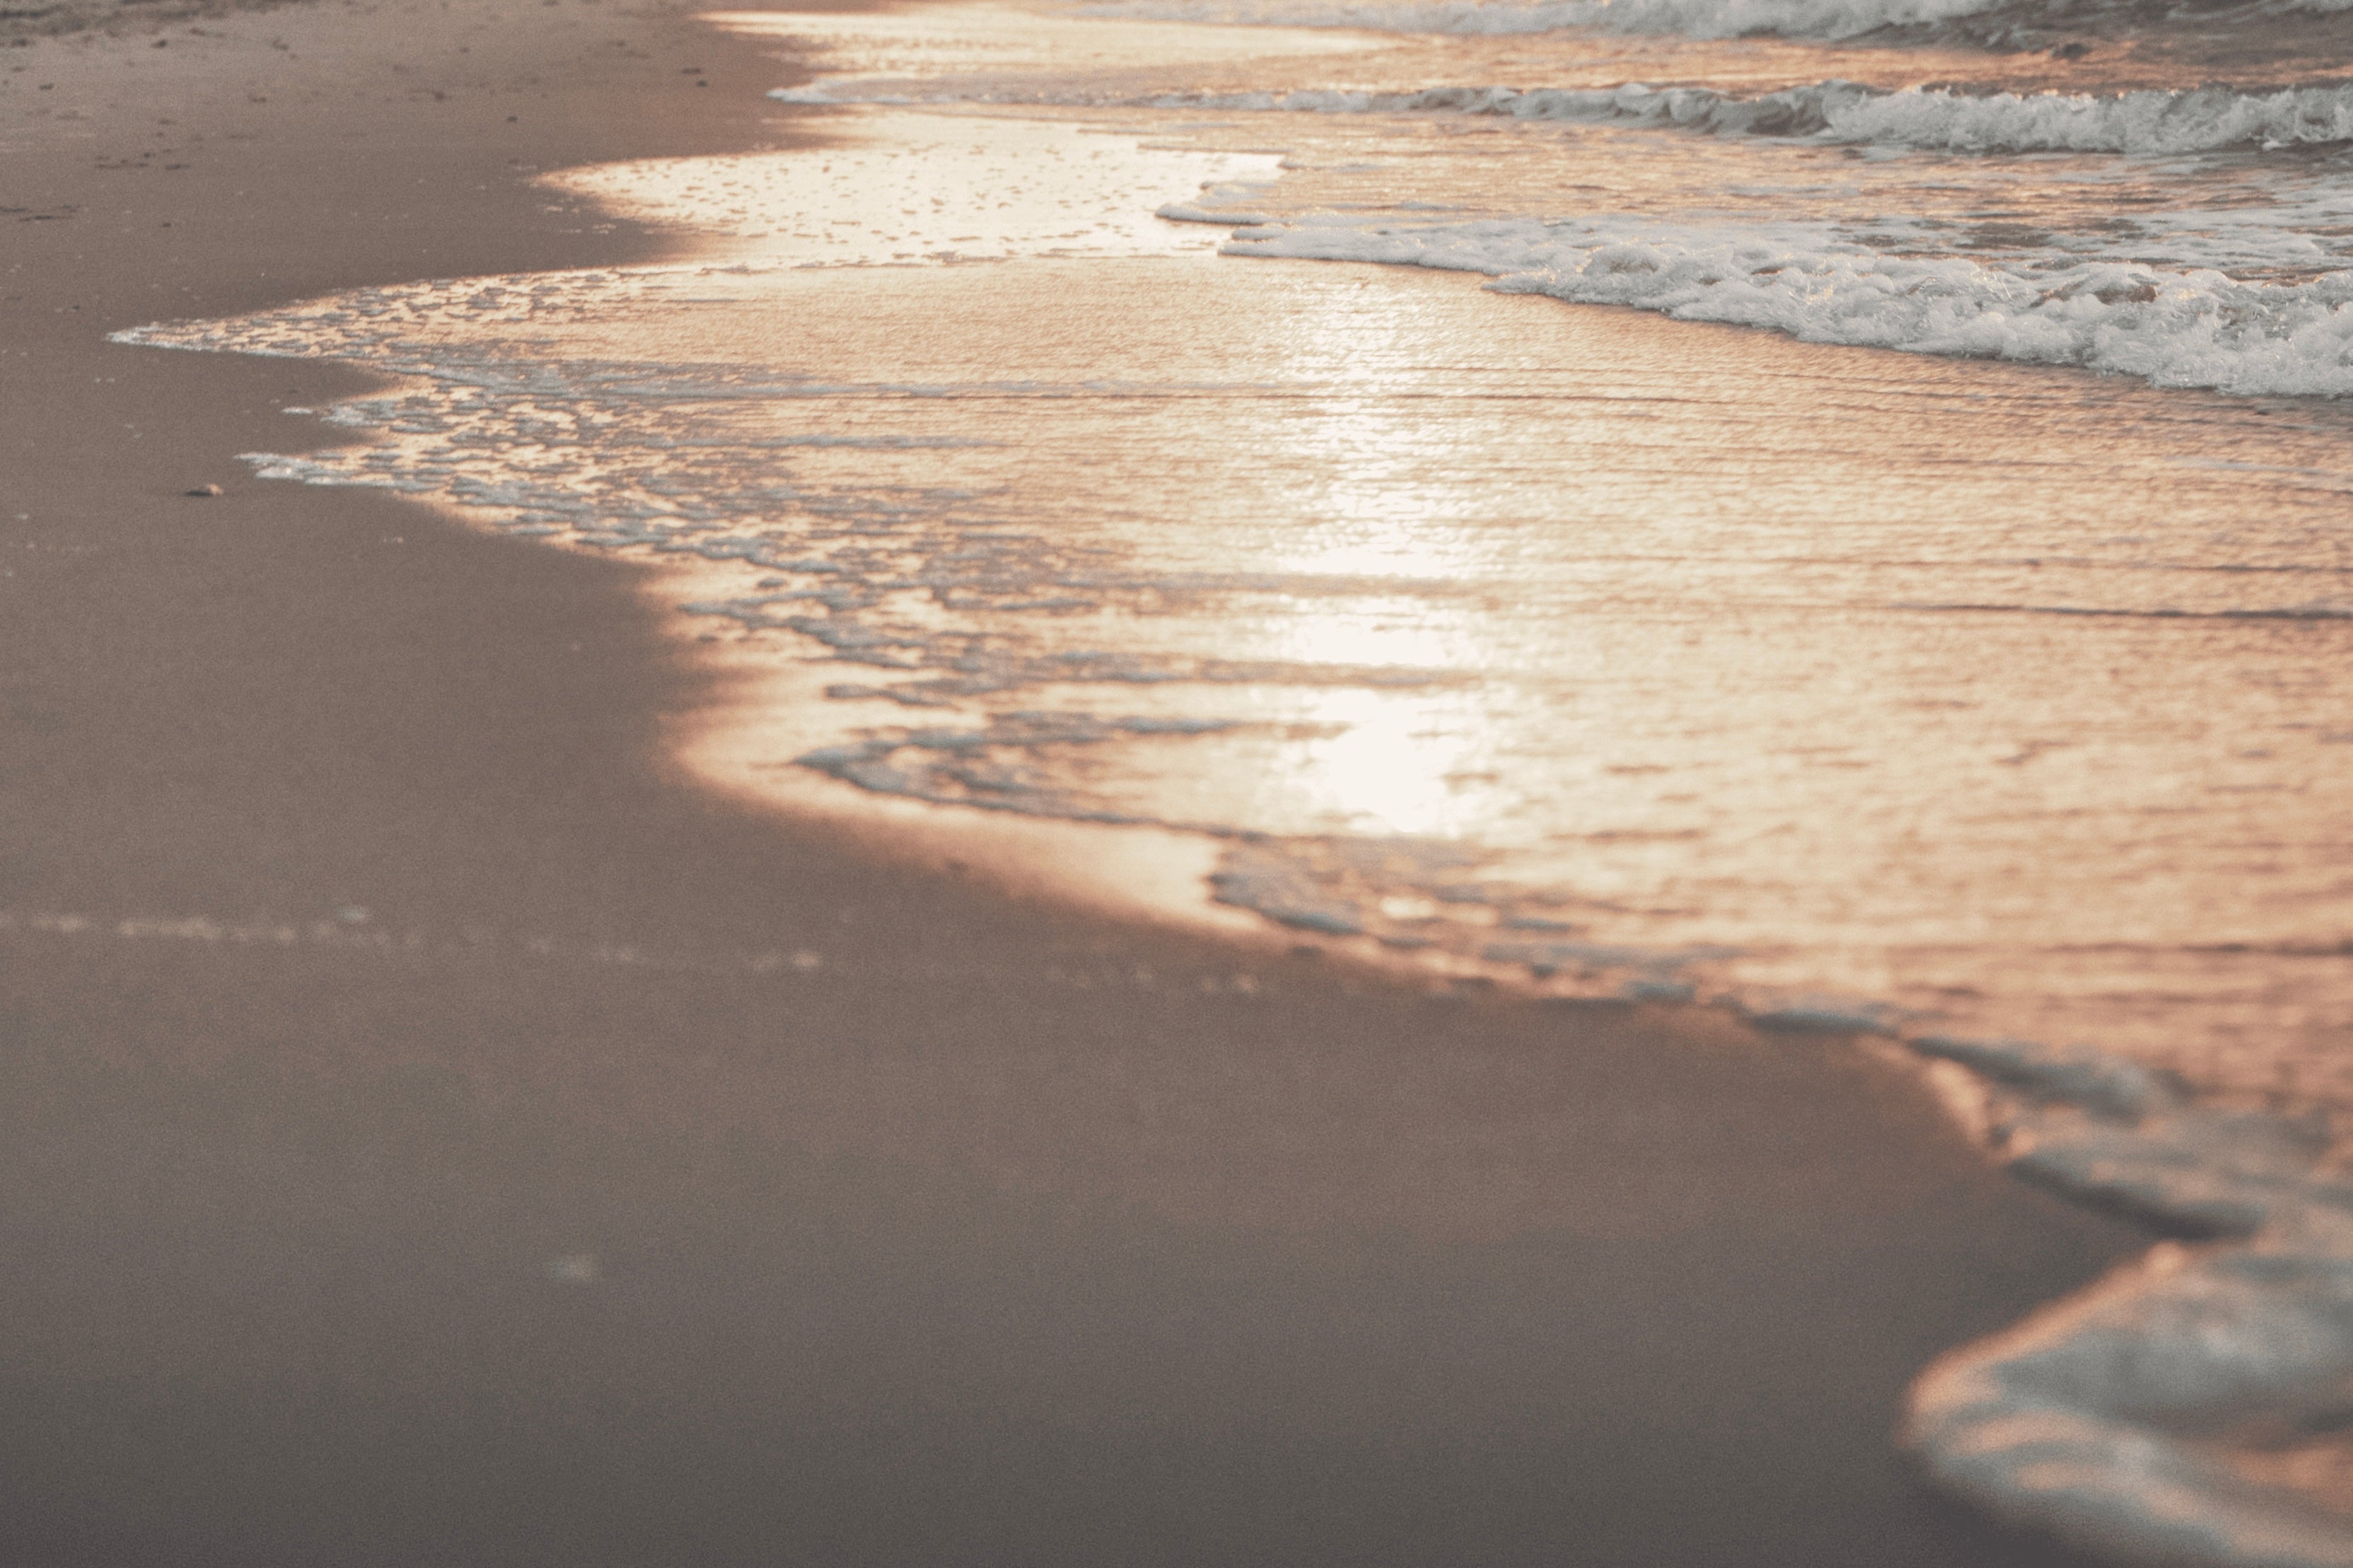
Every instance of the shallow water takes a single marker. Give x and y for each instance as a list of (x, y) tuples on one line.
[(1627, 652)]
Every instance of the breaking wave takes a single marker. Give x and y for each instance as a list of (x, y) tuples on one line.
[(2197, 121), (1696, 18), (2192, 1407), (1691, 18), (2199, 328)]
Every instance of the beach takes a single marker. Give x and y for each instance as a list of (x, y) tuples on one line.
[(440, 1125)]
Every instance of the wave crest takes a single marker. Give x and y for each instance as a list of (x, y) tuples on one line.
[(2196, 329), (2152, 121), (1982, 21), (1695, 18), (2191, 1408)]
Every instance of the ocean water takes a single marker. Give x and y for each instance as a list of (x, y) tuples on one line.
[(1833, 509)]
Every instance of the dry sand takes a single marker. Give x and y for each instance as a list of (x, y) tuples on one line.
[(431, 1132)]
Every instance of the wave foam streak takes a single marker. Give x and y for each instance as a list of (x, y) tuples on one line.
[(2149, 121), (2198, 120), (2184, 330), (1571, 644), (2194, 1408)]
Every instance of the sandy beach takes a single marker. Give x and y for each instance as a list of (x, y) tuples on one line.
[(431, 1129)]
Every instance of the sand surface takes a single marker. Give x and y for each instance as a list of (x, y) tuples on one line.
[(432, 1131)]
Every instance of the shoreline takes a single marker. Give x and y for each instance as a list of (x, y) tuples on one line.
[(995, 1229)]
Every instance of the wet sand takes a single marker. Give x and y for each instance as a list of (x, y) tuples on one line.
[(431, 1131)]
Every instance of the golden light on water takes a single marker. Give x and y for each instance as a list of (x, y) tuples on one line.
[(1727, 641)]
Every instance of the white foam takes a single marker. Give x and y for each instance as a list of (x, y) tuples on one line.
[(1266, 885), (2203, 120), (2149, 121), (1696, 18), (2100, 1419), (902, 190), (2187, 328), (2189, 1409)]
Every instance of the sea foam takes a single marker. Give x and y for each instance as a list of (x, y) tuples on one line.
[(2151, 122), (2191, 1408), (2155, 1417), (2197, 329), (1691, 18), (1696, 18)]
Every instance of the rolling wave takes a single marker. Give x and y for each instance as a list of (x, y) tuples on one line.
[(2197, 119), (2199, 328), (1691, 19), (1695, 18)]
